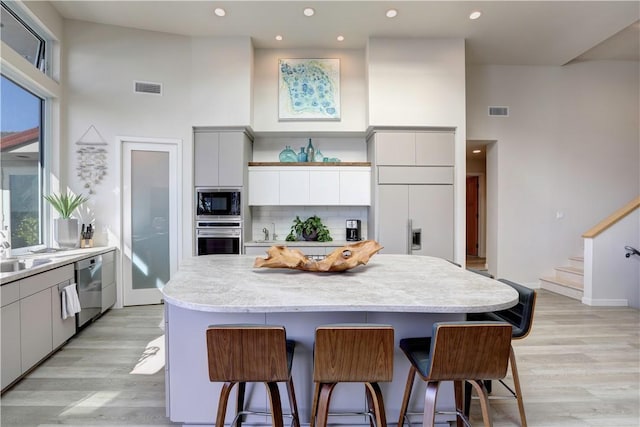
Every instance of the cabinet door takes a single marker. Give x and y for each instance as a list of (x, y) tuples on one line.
[(264, 187), (231, 159), (395, 148), (431, 210), (206, 158), (294, 188), (10, 342), (108, 280), (393, 214), (435, 148), (35, 328), (355, 188), (324, 187), (62, 329)]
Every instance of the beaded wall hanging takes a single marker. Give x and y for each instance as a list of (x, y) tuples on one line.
[(92, 158)]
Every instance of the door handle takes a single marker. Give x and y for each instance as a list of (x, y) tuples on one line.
[(416, 239)]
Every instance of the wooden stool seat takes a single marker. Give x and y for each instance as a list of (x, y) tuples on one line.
[(456, 351), (238, 354), (351, 353)]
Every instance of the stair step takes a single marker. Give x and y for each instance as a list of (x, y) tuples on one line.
[(576, 261), (564, 287), (572, 274)]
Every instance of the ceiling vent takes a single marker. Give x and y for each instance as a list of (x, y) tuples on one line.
[(147, 87), (498, 111)]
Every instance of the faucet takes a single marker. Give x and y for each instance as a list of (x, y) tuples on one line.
[(4, 244), (265, 230), (274, 236)]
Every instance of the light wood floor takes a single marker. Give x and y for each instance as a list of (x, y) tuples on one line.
[(580, 367)]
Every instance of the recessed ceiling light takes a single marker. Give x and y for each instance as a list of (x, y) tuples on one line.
[(308, 11), (392, 13), (279, 37), (340, 38), (476, 151), (220, 11), (475, 14)]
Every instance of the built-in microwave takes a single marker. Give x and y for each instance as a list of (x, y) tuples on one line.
[(218, 203)]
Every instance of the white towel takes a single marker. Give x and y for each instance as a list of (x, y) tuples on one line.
[(70, 301)]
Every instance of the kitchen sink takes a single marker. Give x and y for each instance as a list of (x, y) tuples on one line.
[(11, 265)]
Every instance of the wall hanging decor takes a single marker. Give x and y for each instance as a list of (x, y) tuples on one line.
[(309, 89), (92, 158)]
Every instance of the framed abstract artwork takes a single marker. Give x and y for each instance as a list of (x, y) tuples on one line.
[(309, 89)]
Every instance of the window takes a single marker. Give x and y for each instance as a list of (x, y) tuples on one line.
[(21, 38), (21, 150)]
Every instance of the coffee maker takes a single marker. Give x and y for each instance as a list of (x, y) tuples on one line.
[(353, 230)]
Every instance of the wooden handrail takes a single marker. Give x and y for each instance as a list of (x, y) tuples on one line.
[(613, 218)]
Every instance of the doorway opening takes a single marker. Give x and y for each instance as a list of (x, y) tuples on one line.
[(476, 204)]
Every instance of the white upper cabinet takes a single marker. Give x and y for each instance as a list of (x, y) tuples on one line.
[(427, 148), (219, 158), (310, 186)]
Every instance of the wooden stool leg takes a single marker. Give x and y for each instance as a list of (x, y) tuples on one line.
[(484, 401), (467, 398), (240, 403), (407, 395), (374, 396), (222, 403), (323, 404), (371, 412), (292, 403), (276, 405), (516, 383), (430, 396), (314, 405)]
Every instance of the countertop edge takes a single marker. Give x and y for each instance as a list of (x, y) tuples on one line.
[(60, 259)]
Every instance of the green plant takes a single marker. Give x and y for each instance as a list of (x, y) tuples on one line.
[(65, 203), (310, 229)]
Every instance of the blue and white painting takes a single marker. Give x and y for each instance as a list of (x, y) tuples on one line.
[(309, 89)]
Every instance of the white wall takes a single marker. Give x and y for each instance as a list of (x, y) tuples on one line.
[(613, 278), (421, 82), (220, 81), (102, 63), (570, 147), (353, 96)]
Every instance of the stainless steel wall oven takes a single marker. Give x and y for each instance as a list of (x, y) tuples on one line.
[(218, 237)]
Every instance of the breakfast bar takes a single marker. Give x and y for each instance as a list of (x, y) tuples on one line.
[(408, 292)]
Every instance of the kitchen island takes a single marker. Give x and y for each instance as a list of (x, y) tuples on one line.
[(408, 292)]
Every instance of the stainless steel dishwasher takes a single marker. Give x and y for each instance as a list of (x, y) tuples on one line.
[(89, 282)]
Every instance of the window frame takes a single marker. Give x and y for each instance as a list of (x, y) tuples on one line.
[(43, 47)]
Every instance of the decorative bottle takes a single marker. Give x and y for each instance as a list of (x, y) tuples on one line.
[(302, 156), (310, 151)]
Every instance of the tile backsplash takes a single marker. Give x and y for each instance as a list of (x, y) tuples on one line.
[(281, 217)]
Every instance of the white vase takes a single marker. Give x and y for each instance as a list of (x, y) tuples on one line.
[(66, 232)]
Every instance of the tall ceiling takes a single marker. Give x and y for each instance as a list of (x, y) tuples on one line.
[(507, 33)]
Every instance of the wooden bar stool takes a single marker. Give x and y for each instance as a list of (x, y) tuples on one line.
[(520, 317), (238, 354), (351, 353), (458, 352)]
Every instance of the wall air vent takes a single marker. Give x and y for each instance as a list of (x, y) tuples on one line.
[(498, 111), (147, 87)]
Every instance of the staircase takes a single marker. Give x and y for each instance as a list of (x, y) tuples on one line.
[(568, 281)]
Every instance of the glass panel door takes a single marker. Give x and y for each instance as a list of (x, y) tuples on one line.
[(149, 220)]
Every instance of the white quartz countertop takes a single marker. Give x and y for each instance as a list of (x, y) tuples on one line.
[(49, 261), (388, 283)]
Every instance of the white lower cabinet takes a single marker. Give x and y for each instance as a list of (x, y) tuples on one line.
[(108, 280), (35, 328), (32, 323), (10, 342)]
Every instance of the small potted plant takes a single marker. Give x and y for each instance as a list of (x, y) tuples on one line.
[(310, 229), (65, 227)]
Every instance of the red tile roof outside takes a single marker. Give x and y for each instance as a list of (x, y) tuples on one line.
[(17, 139)]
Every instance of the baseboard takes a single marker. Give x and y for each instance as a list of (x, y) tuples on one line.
[(601, 302)]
